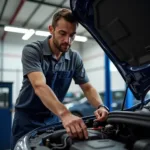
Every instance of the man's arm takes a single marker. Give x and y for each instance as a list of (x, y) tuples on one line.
[(74, 125), (45, 93), (95, 99)]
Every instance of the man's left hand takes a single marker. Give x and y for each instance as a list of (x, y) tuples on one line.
[(101, 114)]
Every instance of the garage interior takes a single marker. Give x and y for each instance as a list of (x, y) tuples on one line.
[(25, 21)]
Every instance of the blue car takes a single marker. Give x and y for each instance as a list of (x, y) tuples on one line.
[(81, 107)]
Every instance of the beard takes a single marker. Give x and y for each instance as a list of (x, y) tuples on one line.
[(63, 47)]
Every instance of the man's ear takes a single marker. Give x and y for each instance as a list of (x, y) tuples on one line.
[(51, 29)]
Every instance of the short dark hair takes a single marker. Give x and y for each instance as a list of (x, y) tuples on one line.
[(65, 14)]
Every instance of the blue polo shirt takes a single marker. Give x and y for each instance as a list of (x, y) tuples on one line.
[(37, 56)]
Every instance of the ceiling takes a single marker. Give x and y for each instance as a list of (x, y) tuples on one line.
[(31, 14)]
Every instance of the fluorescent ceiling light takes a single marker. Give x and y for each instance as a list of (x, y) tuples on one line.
[(28, 34), (77, 37), (42, 33), (80, 38), (15, 29)]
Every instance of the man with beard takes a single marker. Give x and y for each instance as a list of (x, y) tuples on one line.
[(48, 68)]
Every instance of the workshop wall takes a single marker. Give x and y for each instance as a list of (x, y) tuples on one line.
[(93, 57)]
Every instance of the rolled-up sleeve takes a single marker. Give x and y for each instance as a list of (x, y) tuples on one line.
[(80, 76), (31, 60)]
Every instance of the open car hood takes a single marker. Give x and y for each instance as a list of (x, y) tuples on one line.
[(122, 29)]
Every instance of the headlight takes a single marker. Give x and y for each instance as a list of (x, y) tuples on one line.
[(69, 105), (114, 105)]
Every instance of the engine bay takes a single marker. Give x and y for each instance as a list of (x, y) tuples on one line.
[(123, 130)]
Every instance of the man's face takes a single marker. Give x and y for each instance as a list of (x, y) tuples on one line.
[(63, 34)]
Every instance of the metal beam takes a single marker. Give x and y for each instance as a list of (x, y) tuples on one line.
[(49, 17), (2, 25), (129, 99), (108, 92), (34, 11), (46, 3), (14, 16), (5, 3)]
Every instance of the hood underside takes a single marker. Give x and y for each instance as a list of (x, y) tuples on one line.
[(122, 29)]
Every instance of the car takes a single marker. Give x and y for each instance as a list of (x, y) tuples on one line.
[(70, 97), (83, 108), (121, 28)]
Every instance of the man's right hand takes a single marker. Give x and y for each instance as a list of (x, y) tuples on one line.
[(74, 126)]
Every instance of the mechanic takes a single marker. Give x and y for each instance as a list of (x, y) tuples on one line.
[(48, 69)]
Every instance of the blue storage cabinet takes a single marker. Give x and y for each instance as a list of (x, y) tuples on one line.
[(5, 114)]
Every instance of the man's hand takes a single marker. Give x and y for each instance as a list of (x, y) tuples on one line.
[(74, 126), (101, 114)]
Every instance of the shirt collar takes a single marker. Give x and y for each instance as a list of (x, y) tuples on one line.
[(47, 50)]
